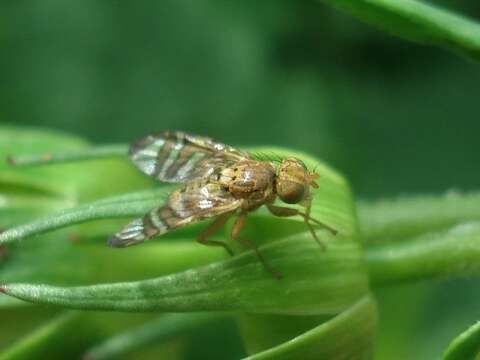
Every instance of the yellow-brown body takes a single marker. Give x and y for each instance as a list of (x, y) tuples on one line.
[(219, 181), (253, 181)]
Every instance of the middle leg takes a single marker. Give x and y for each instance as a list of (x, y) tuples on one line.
[(237, 227), (210, 229)]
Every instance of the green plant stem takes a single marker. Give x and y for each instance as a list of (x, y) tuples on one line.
[(98, 152), (418, 21)]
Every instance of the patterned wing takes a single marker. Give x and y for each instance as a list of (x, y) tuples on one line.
[(197, 201), (173, 156)]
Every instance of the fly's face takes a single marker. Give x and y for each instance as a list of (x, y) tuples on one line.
[(293, 181)]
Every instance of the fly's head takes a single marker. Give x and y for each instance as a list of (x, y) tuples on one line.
[(293, 181)]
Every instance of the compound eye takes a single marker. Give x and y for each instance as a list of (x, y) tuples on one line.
[(290, 192)]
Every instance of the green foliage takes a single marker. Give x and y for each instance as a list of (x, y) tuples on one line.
[(313, 304), (418, 21), (319, 78), (161, 329), (316, 282), (346, 336), (421, 237), (466, 345), (49, 341)]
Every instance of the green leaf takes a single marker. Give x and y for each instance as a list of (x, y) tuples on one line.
[(30, 192), (98, 263), (400, 218), (71, 182), (453, 252), (315, 282), (64, 335), (348, 335), (156, 331), (27, 193), (465, 346), (49, 158), (27, 141), (49, 340), (421, 237), (418, 21), (122, 206)]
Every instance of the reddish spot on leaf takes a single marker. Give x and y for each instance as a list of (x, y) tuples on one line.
[(3, 251), (10, 160), (74, 237)]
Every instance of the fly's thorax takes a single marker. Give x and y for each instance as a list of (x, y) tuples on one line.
[(248, 177), (292, 182)]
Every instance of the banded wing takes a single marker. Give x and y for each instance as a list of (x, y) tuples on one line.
[(174, 156), (197, 201)]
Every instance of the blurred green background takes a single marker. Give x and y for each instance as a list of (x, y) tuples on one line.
[(395, 117)]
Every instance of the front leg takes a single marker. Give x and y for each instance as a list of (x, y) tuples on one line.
[(287, 212)]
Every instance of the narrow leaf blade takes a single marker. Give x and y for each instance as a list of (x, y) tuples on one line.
[(315, 282), (349, 335), (159, 330), (466, 345), (418, 21), (49, 340)]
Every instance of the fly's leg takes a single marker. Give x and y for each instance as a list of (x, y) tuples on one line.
[(210, 229), (287, 212), (237, 227)]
